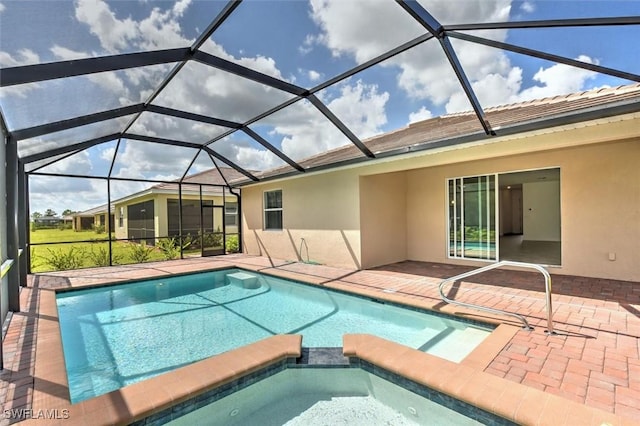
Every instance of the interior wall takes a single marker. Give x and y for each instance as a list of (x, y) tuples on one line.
[(321, 220), (541, 217), (383, 218)]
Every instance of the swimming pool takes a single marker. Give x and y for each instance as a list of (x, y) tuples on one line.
[(120, 334)]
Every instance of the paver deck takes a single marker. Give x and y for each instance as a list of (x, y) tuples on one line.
[(593, 359)]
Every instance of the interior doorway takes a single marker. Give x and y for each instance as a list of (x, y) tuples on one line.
[(530, 228)]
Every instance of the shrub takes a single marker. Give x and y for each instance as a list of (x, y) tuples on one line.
[(100, 257), (232, 244), (62, 226), (169, 248), (65, 259), (99, 229), (140, 253)]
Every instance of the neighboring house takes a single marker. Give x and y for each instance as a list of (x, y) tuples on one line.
[(48, 221), (560, 186), (92, 218), (155, 212)]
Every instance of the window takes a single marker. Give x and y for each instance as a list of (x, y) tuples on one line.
[(273, 210), (472, 217), (231, 214), (121, 218)]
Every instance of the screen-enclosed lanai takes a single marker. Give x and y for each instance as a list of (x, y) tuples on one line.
[(104, 101)]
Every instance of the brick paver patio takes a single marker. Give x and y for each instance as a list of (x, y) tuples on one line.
[(593, 359)]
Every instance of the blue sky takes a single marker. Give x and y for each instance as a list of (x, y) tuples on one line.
[(302, 42)]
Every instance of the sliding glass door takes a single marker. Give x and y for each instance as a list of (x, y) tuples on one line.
[(472, 217)]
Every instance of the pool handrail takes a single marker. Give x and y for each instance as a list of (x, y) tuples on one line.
[(547, 282)]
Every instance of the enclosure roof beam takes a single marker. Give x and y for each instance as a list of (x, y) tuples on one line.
[(340, 125), (248, 73), (215, 24), (230, 163), (272, 148), (61, 125), (550, 23), (545, 56), (161, 141), (366, 65), (425, 19), (191, 116), (71, 68), (68, 148)]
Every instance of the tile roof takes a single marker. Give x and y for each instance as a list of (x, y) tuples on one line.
[(432, 131)]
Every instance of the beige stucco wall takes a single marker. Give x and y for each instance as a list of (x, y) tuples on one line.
[(600, 201), (600, 206), (322, 209), (383, 218)]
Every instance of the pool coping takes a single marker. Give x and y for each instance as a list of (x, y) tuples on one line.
[(513, 401), (142, 399)]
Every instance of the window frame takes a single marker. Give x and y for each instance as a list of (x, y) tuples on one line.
[(231, 211), (272, 209)]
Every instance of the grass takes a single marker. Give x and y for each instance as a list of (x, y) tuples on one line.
[(52, 257), (64, 235), (94, 250)]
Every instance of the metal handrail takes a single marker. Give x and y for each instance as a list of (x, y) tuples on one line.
[(547, 283), (6, 265)]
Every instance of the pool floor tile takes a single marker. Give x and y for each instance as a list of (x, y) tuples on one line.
[(593, 359)]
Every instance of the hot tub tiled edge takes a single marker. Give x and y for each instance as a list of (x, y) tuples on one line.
[(509, 400)]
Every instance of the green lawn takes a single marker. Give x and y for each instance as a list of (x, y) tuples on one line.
[(53, 257), (57, 235), (76, 255)]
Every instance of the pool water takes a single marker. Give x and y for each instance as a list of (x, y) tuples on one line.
[(117, 335), (327, 396)]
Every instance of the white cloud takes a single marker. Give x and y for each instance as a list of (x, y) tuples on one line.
[(308, 43), (79, 163), (314, 75), (23, 57), (422, 114), (143, 160), (558, 79), (303, 131), (346, 27), (424, 72), (528, 7), (361, 108), (114, 34), (2, 7)]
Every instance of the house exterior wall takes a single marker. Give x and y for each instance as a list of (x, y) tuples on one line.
[(600, 202), (122, 232), (324, 210), (383, 218), (339, 212)]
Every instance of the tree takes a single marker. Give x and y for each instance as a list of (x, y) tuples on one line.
[(68, 212), (50, 213), (36, 215)]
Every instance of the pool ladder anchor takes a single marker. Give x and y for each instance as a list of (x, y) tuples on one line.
[(525, 323)]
